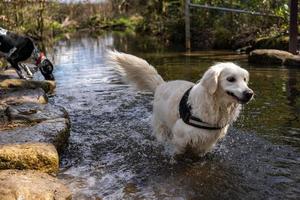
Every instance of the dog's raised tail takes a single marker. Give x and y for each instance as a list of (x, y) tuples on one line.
[(134, 70)]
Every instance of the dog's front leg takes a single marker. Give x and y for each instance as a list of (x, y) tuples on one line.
[(180, 137)]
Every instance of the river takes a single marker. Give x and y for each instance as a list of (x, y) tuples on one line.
[(113, 155)]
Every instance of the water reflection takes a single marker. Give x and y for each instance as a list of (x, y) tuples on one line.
[(112, 154)]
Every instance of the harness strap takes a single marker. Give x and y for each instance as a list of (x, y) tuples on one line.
[(3, 31), (187, 117)]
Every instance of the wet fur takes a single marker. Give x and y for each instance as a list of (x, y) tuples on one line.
[(208, 100)]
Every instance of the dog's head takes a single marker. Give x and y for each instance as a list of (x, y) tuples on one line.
[(228, 80)]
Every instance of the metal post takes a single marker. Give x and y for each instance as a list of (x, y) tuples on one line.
[(293, 29), (187, 25)]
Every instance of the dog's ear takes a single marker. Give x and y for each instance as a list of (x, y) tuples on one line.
[(210, 79)]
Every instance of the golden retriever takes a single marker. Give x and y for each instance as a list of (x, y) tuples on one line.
[(186, 114)]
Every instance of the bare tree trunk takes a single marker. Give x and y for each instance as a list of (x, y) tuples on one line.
[(187, 26), (293, 26), (16, 13), (40, 19)]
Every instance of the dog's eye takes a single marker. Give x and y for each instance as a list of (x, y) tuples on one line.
[(245, 79), (231, 79)]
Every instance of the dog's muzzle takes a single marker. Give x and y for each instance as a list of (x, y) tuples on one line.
[(246, 96)]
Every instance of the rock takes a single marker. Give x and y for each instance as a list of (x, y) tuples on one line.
[(34, 113), (268, 56), (245, 49), (8, 74), (55, 131), (47, 86), (292, 61), (33, 185), (36, 123), (277, 42), (35, 156), (4, 114), (18, 96)]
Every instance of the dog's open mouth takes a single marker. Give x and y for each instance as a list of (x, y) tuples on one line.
[(236, 98)]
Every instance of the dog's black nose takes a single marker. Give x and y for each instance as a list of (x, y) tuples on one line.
[(248, 94)]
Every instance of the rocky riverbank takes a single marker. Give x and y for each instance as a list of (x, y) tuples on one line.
[(32, 135)]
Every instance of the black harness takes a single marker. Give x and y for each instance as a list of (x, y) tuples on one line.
[(186, 115)]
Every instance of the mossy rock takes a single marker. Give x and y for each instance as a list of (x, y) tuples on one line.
[(3, 64), (278, 42), (35, 156), (47, 86), (268, 56), (8, 74), (19, 96)]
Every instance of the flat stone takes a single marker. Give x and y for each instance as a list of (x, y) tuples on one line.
[(292, 61), (35, 123), (8, 74), (47, 86), (33, 185), (268, 56), (35, 156), (54, 131), (18, 96), (32, 112)]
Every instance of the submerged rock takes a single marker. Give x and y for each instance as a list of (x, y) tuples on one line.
[(35, 156), (33, 185), (268, 56), (18, 96)]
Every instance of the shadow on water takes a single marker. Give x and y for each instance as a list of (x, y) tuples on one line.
[(112, 154)]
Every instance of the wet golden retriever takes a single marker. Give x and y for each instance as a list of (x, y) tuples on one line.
[(211, 104)]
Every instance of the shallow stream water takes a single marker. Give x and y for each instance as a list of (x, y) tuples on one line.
[(113, 155)]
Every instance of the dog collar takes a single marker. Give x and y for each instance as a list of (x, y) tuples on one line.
[(187, 117), (40, 58)]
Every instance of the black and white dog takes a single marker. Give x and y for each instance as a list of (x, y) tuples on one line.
[(17, 48)]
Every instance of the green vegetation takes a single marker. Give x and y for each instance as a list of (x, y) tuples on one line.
[(215, 29), (48, 19), (163, 19)]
